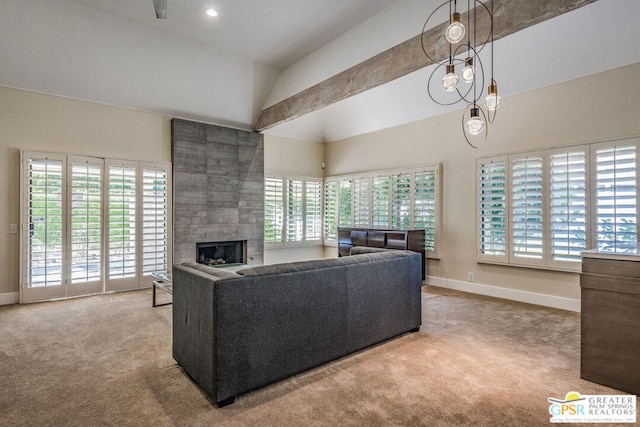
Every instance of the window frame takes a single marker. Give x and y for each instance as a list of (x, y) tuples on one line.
[(80, 288), (389, 174), (548, 261), (68, 286), (156, 223), (516, 257), (493, 257), (558, 263), (284, 240), (593, 181), (57, 288)]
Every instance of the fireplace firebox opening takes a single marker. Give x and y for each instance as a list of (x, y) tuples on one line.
[(225, 253)]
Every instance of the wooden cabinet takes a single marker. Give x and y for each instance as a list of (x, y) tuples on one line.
[(610, 328), (412, 240)]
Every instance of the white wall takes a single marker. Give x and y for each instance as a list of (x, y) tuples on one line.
[(284, 156), (52, 124), (595, 108)]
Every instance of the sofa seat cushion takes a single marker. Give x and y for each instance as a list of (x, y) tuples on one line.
[(219, 273), (359, 250)]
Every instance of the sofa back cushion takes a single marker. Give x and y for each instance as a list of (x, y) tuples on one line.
[(290, 267), (358, 238), (377, 239)]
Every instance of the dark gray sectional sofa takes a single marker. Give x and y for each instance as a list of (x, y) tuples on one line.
[(236, 332)]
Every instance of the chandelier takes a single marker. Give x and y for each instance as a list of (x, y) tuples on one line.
[(461, 75)]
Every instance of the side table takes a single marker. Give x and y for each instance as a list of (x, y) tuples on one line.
[(163, 281)]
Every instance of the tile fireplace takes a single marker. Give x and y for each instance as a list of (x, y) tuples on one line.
[(218, 192)]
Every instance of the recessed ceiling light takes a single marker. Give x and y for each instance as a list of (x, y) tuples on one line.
[(212, 12)]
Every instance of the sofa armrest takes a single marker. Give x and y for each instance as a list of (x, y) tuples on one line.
[(194, 325)]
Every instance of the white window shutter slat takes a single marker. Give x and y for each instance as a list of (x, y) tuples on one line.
[(401, 201), (345, 201), (121, 214), (313, 211), (45, 192), (616, 197), (330, 211), (568, 205), (155, 226), (527, 209), (86, 222), (362, 202), (380, 202), (492, 209), (273, 210), (294, 219)]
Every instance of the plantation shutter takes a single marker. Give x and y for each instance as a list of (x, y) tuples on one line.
[(44, 205), (94, 224), (273, 210), (616, 197), (155, 219), (122, 210), (527, 207), (330, 211), (391, 199), (425, 206), (561, 202), (380, 202), (361, 202), (295, 224), (344, 203), (492, 207), (86, 220), (401, 201), (313, 210), (568, 205)]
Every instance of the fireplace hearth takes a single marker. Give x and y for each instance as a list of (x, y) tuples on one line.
[(230, 252)]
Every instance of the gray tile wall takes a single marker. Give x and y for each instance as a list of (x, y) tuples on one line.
[(218, 188)]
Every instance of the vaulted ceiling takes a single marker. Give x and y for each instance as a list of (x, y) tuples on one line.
[(255, 53), (275, 32)]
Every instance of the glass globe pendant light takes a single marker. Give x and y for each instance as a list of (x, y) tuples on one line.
[(469, 71), (492, 101), (450, 80), (475, 124), (455, 31), (464, 42)]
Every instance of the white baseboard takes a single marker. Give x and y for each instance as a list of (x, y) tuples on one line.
[(471, 287), (9, 298), (505, 293)]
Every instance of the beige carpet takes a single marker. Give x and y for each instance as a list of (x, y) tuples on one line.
[(106, 360)]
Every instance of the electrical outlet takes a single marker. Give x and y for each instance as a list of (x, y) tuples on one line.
[(471, 277), (13, 228)]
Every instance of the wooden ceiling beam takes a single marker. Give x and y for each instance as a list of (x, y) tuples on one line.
[(510, 16)]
